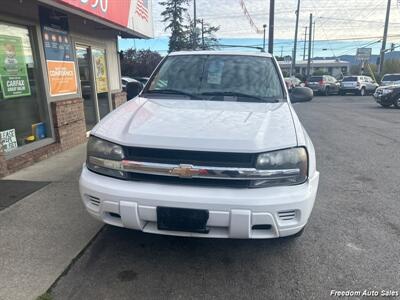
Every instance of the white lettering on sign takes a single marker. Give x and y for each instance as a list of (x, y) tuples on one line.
[(8, 140), (95, 3), (61, 72)]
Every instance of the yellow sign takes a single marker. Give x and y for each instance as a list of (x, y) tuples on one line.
[(100, 68)]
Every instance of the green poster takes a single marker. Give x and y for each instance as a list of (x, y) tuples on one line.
[(13, 73)]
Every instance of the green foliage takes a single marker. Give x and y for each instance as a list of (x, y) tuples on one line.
[(173, 16), (391, 66), (183, 34), (139, 63), (319, 73)]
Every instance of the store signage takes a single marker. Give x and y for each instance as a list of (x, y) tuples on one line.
[(100, 69), (132, 14), (13, 70), (59, 53), (8, 140), (364, 53)]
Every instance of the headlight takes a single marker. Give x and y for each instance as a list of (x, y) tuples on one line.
[(386, 91), (293, 164), (105, 157)]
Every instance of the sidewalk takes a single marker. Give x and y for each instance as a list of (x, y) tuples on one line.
[(41, 234)]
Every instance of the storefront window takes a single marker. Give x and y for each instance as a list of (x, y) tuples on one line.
[(23, 109)]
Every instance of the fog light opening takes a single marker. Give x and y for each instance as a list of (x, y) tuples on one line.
[(261, 227)]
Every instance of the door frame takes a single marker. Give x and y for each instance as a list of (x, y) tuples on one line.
[(90, 46)]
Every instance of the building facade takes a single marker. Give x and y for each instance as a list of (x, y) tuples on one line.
[(329, 67), (60, 71)]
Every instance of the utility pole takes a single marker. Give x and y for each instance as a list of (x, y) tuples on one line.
[(305, 43), (271, 26), (194, 25), (385, 33), (313, 40), (202, 34), (265, 28), (309, 48), (293, 68)]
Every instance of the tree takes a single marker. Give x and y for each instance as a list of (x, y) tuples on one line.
[(173, 16), (139, 63), (205, 37)]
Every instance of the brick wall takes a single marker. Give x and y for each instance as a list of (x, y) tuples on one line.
[(69, 129), (118, 99)]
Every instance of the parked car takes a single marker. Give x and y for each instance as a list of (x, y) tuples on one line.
[(132, 87), (292, 82), (387, 96), (324, 85), (360, 85), (390, 79), (199, 154)]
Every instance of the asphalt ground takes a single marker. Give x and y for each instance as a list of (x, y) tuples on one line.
[(352, 241)]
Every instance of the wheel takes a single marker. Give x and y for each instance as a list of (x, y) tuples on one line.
[(385, 105), (396, 103), (363, 92), (342, 93), (326, 91)]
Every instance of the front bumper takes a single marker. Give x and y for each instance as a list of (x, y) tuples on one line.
[(232, 212), (384, 99)]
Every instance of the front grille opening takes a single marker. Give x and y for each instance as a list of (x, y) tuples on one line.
[(287, 215), (114, 215), (94, 200), (261, 227), (199, 158)]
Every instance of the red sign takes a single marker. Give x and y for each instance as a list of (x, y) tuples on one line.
[(115, 11)]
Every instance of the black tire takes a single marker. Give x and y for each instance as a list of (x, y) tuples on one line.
[(341, 93), (396, 103), (385, 105), (326, 91), (363, 92)]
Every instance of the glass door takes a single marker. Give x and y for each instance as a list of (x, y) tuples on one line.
[(100, 70), (83, 56)]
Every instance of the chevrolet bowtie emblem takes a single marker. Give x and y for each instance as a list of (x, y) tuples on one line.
[(185, 171)]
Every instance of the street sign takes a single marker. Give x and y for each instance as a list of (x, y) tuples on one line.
[(364, 53)]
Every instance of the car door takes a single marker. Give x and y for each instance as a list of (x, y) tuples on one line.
[(334, 84)]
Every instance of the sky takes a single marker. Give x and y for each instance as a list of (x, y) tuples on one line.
[(344, 23)]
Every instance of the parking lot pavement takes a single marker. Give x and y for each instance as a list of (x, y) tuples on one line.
[(352, 241)]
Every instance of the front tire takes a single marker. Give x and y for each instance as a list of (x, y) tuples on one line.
[(363, 92), (396, 103), (326, 91), (385, 105)]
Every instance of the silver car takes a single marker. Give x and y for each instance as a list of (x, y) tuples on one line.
[(390, 79), (359, 85)]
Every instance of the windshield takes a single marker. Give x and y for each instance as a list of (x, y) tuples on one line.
[(219, 77), (352, 78), (391, 78)]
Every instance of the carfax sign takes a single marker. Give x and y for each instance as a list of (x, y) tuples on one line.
[(13, 73)]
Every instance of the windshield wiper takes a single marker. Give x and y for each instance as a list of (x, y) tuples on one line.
[(237, 94), (172, 92)]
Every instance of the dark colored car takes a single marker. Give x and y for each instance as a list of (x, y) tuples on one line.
[(387, 96), (324, 85)]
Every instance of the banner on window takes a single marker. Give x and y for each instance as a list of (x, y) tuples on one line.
[(100, 69), (13, 71), (59, 60)]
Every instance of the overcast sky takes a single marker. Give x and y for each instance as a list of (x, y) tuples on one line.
[(340, 19)]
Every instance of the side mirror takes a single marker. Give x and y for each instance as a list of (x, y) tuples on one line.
[(301, 94)]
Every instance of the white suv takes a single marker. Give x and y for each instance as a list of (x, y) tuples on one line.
[(212, 147), (359, 85)]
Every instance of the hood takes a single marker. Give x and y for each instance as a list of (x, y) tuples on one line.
[(390, 86), (200, 125)]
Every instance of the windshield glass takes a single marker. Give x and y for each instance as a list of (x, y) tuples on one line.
[(219, 77), (351, 78), (391, 78), (316, 78)]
